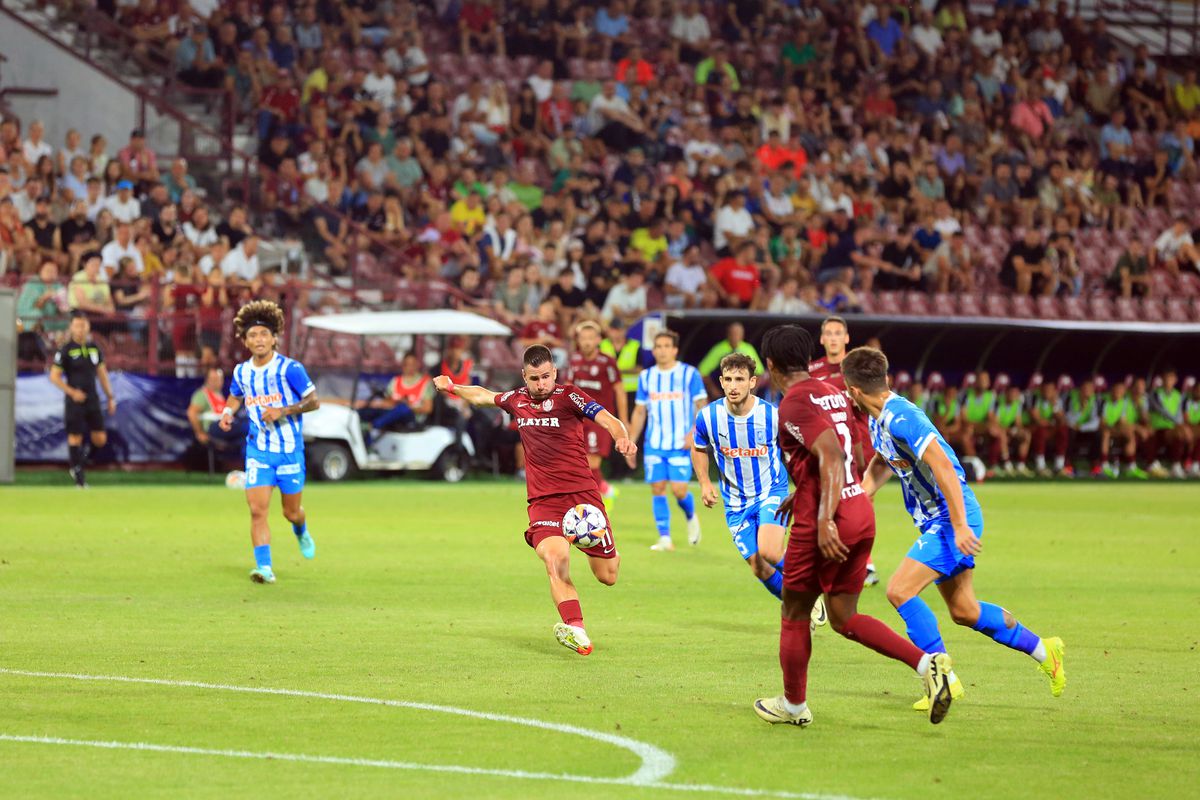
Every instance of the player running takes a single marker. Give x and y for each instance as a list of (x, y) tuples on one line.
[(946, 512), (276, 391), (835, 337), (550, 417), (598, 375), (741, 432), (833, 529), (668, 397)]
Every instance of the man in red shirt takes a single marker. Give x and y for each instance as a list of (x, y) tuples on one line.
[(550, 419), (835, 338), (598, 375), (477, 25), (643, 70), (737, 277), (833, 529)]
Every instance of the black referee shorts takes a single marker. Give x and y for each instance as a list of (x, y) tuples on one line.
[(85, 417)]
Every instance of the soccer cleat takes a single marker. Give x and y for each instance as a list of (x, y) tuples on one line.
[(1066, 472), (772, 710), (1157, 470), (1097, 471), (956, 693), (573, 637), (872, 578), (1177, 471), (1023, 471), (663, 545), (1137, 472), (308, 548), (77, 475), (1109, 471), (262, 575), (937, 686), (693, 530), (819, 615), (1053, 666)]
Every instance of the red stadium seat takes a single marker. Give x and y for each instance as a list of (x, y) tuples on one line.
[(1100, 307), (888, 304), (969, 305), (1179, 309), (1022, 307), (1152, 310), (1048, 308), (916, 304), (997, 305), (1074, 308), (1127, 310), (945, 305)]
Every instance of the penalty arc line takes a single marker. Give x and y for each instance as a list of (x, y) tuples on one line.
[(405, 765)]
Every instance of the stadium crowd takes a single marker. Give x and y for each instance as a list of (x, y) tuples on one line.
[(553, 160)]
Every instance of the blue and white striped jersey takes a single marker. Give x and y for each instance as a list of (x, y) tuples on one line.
[(280, 382), (746, 450), (901, 434), (670, 398)]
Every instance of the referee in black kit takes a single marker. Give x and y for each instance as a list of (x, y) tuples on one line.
[(77, 364)]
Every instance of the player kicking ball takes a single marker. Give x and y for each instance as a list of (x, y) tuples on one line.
[(833, 529), (276, 391), (741, 432), (946, 512), (550, 419)]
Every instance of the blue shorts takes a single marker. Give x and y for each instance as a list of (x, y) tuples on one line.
[(285, 470), (744, 524), (935, 546), (667, 465)]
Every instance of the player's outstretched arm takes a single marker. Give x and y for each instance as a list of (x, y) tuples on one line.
[(877, 475), (947, 480), (475, 395), (616, 429), (831, 467)]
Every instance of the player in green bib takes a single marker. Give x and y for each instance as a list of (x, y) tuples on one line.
[(1013, 421), (980, 423), (947, 415), (1191, 413), (1083, 420), (1168, 430), (1118, 426)]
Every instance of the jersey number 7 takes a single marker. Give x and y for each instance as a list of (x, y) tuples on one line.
[(843, 430)]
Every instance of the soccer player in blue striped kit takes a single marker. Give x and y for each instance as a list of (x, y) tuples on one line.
[(276, 391), (950, 520), (668, 396), (741, 432)]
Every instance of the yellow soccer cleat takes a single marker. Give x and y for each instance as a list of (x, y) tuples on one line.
[(956, 692), (1053, 666), (937, 686)]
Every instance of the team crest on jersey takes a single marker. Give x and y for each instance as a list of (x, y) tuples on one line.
[(548, 405), (595, 370)]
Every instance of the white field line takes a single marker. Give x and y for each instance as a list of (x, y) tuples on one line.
[(656, 763)]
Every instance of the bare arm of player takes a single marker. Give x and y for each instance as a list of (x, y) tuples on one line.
[(78, 395), (831, 467), (102, 374), (708, 493), (310, 402), (636, 423), (231, 407), (616, 429), (877, 475), (947, 480), (623, 406), (475, 395)]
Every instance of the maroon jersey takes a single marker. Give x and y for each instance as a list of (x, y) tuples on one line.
[(552, 433), (598, 376), (809, 408), (822, 370)]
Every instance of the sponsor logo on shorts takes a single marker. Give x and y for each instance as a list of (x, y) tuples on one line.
[(538, 422), (288, 469), (549, 523), (746, 452)]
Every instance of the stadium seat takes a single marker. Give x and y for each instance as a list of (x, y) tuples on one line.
[(916, 304), (969, 305), (1100, 308), (888, 303), (1048, 308), (1179, 309), (945, 305), (1074, 308), (997, 305), (1152, 309), (1022, 307), (1127, 309)]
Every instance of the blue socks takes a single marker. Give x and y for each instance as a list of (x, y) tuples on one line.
[(1018, 637), (774, 583), (300, 529), (688, 504), (922, 625), (662, 514), (262, 555)]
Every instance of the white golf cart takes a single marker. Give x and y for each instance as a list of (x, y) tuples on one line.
[(333, 434)]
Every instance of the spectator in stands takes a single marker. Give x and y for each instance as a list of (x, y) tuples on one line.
[(1174, 249), (737, 278), (1131, 275), (178, 180), (690, 33), (77, 234), (35, 146), (478, 28), (89, 291), (1026, 269), (46, 235), (196, 61), (42, 303), (627, 300), (204, 412), (121, 246), (240, 266), (123, 205), (139, 161)]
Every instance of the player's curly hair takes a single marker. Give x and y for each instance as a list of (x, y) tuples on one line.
[(258, 312), (787, 347), (736, 361)]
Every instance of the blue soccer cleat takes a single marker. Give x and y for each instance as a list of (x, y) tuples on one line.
[(262, 575), (308, 548)]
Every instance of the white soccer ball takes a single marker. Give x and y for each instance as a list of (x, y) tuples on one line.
[(235, 480), (584, 526)]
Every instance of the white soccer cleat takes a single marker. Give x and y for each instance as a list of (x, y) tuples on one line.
[(573, 637), (819, 615), (693, 530), (872, 578), (663, 545), (772, 710), (1177, 471)]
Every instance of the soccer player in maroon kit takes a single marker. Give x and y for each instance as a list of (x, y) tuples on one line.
[(833, 528), (550, 418), (835, 338), (598, 375)]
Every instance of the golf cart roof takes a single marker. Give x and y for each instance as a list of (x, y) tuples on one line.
[(393, 323)]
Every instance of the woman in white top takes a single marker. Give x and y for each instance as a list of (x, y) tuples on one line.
[(497, 113)]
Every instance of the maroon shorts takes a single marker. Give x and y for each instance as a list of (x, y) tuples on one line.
[(598, 442), (806, 570), (546, 515)]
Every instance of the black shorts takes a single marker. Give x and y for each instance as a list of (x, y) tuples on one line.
[(85, 417)]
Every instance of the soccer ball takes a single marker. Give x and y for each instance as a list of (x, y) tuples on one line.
[(584, 526), (235, 480)]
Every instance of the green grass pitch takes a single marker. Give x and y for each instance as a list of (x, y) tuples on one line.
[(425, 593)]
